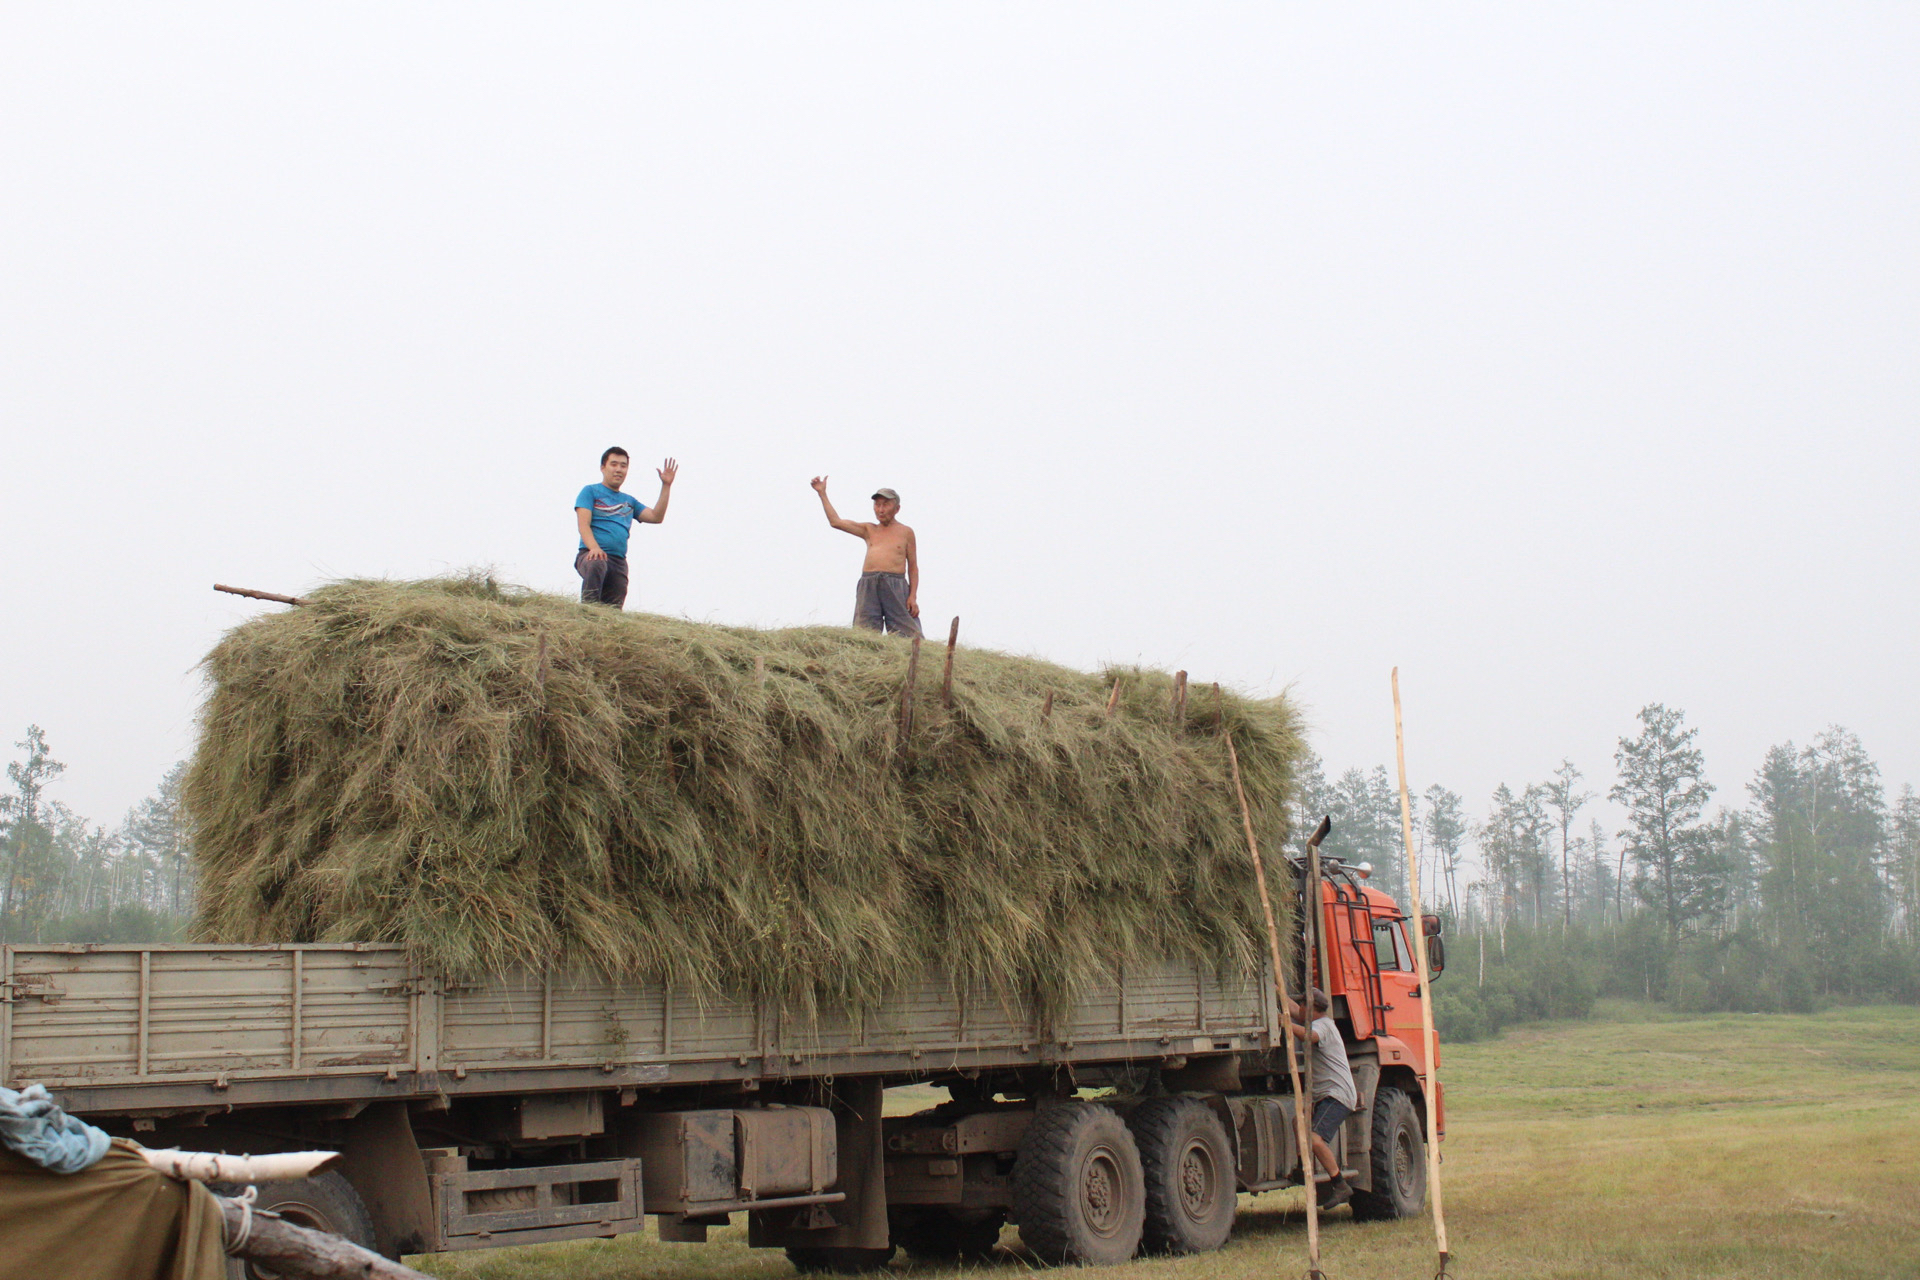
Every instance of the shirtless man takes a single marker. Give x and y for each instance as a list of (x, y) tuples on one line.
[(888, 598)]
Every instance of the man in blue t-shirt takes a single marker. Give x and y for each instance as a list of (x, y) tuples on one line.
[(604, 515)]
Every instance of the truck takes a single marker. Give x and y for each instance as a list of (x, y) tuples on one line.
[(526, 1107)]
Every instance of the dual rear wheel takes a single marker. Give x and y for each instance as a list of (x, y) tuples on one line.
[(1093, 1189)]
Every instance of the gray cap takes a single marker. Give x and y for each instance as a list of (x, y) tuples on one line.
[(888, 494)]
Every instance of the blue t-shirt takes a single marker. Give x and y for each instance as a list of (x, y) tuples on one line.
[(612, 512)]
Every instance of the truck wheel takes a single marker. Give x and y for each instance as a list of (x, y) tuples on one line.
[(324, 1202), (1399, 1161), (941, 1235), (1190, 1176), (837, 1259), (1078, 1190)]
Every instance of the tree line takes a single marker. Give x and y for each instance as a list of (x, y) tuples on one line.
[(70, 880), (1805, 889)]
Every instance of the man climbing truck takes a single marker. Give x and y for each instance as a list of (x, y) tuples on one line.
[(527, 1107)]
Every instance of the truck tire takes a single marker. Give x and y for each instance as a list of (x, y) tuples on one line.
[(837, 1259), (1399, 1161), (1190, 1175), (1078, 1190), (324, 1202), (942, 1235)]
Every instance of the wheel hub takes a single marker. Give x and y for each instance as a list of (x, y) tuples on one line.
[(1103, 1191), (1199, 1184)]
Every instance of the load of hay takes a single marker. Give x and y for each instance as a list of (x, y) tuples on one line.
[(494, 776)]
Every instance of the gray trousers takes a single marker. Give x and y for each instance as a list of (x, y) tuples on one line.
[(602, 581), (880, 604)]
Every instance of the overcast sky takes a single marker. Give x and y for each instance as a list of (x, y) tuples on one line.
[(1563, 355)]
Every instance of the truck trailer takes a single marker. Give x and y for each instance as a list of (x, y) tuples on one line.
[(527, 1107)]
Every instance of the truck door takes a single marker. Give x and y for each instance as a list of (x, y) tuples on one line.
[(1399, 983)]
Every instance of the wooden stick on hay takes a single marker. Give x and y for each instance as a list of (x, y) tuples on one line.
[(1279, 982), (759, 668), (946, 680), (1046, 708), (1430, 1041), (1310, 908), (1113, 699), (300, 1253), (1179, 700), (906, 694), (251, 594)]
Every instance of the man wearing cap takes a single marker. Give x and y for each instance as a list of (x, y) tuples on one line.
[(1334, 1095), (887, 598)]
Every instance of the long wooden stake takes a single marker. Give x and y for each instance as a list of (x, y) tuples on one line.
[(1179, 700), (906, 694), (1310, 908), (1428, 1035), (1279, 986), (1046, 708), (1113, 699), (946, 680), (251, 594)]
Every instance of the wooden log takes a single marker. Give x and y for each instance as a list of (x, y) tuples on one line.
[(303, 1253), (1180, 700), (1113, 699), (946, 679), (251, 594)]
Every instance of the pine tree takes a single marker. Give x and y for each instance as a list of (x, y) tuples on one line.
[(1662, 787), (1445, 825), (27, 833), (1565, 799)]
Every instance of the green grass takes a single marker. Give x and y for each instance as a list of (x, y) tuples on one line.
[(1636, 1144)]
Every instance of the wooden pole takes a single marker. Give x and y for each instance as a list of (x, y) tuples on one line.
[(1279, 987), (906, 694), (759, 668), (1180, 700), (1046, 708), (1430, 1039), (1311, 907), (1113, 699), (946, 678), (251, 594)]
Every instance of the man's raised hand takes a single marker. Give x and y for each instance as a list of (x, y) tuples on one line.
[(819, 485), (668, 470)]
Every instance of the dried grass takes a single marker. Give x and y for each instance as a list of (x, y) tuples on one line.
[(490, 776)]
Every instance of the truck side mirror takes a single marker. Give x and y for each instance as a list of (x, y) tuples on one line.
[(1436, 957), (1430, 925)]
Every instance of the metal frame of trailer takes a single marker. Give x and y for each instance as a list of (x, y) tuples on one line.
[(529, 1107)]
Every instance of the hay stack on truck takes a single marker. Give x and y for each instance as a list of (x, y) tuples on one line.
[(656, 912)]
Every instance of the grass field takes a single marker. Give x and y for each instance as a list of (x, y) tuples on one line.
[(1631, 1145)]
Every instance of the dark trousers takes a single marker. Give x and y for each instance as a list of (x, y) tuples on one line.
[(602, 581), (880, 604)]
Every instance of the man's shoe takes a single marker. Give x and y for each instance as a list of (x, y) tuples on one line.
[(1335, 1194)]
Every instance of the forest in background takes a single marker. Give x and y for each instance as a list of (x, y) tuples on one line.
[(1803, 892)]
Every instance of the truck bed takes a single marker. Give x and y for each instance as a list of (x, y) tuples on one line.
[(131, 1030)]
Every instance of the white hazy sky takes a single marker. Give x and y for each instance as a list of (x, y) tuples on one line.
[(1564, 355)]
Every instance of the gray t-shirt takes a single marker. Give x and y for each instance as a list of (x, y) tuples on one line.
[(1332, 1078)]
